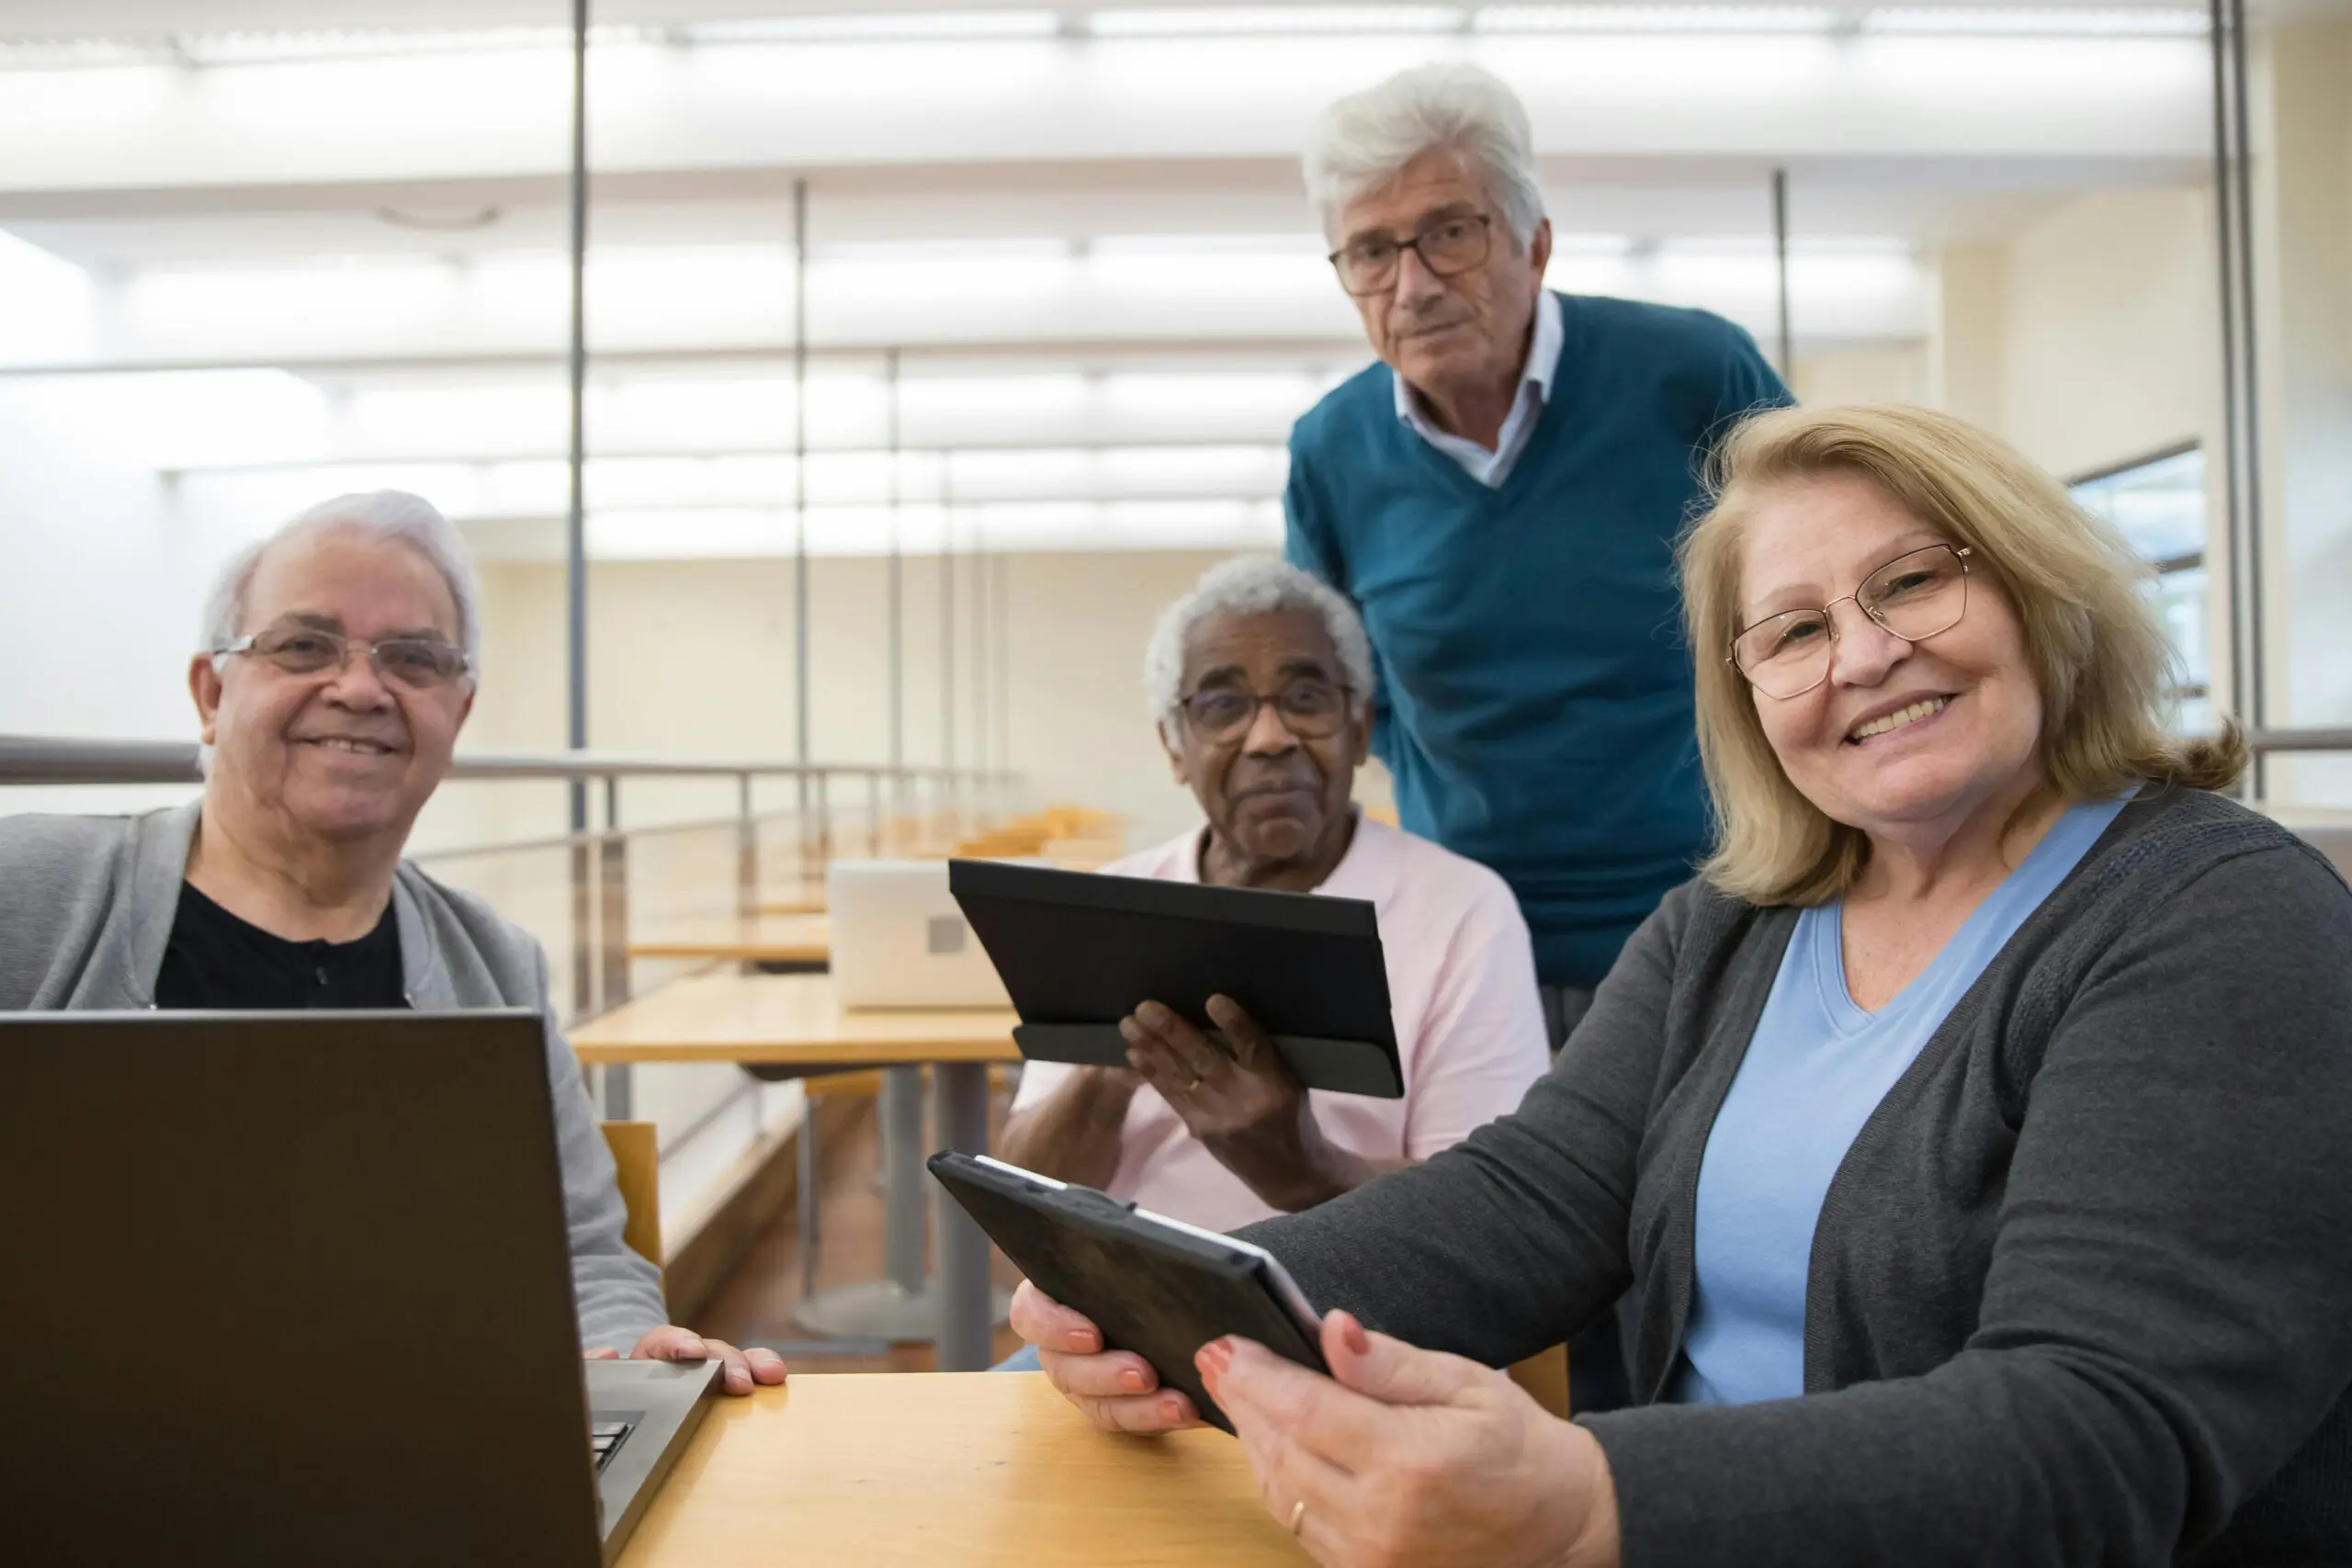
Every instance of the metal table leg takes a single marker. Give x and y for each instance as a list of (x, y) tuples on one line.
[(901, 1112), (967, 1316), (902, 1307)]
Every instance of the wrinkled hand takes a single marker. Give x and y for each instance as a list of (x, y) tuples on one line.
[(1116, 1389), (1245, 1106), (1406, 1457), (744, 1370)]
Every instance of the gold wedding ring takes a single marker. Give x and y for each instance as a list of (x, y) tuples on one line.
[(1298, 1516)]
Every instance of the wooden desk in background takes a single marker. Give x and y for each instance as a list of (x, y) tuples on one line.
[(989, 1470), (740, 938), (798, 1020)]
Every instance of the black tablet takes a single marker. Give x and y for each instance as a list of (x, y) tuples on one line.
[(1079, 951), (1154, 1286)]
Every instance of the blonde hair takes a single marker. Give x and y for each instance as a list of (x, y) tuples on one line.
[(2098, 655)]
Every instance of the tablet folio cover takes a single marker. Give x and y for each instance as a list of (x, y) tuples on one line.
[(1079, 950)]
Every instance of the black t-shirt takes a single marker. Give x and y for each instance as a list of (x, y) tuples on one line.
[(215, 959)]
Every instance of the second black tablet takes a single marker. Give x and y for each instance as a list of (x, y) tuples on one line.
[(1154, 1286), (1078, 951)]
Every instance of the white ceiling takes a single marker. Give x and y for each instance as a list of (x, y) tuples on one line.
[(1050, 211)]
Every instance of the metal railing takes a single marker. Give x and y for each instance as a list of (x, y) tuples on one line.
[(599, 857)]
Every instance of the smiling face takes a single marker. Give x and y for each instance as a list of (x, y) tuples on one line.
[(339, 755), (1274, 799), (1901, 739), (1438, 333)]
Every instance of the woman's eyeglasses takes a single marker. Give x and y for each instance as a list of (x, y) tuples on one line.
[(1915, 596)]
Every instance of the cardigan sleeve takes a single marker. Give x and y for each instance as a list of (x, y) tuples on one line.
[(2164, 1321), (1538, 1198)]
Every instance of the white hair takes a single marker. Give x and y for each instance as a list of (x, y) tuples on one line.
[(1363, 141), (391, 516), (1252, 585)]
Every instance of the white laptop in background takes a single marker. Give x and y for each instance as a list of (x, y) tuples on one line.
[(900, 941)]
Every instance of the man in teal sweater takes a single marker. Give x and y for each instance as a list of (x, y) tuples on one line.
[(1500, 497)]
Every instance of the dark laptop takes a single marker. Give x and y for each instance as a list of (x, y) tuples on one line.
[(294, 1288)]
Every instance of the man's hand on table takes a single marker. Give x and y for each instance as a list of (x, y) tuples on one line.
[(744, 1370)]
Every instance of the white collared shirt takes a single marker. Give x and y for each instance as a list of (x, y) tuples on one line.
[(1491, 468)]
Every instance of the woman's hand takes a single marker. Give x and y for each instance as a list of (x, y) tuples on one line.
[(1117, 1389), (1413, 1459), (743, 1370), (1244, 1105)]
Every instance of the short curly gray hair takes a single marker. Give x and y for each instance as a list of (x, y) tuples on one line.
[(1252, 585), (1363, 140)]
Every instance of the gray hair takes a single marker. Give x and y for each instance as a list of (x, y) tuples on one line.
[(392, 516), (1363, 141), (1252, 585)]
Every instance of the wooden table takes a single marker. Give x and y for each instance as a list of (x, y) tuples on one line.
[(798, 1020), (989, 1470), (741, 939)]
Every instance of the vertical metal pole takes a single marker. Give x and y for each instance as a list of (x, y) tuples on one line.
[(747, 849), (584, 991), (2240, 391), (613, 853), (1780, 268), (2258, 686), (897, 587), (948, 620), (1004, 661), (981, 729), (800, 496), (2225, 220)]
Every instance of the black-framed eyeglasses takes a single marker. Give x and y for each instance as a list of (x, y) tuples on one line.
[(1310, 709), (416, 663), (1448, 247), (1917, 596)]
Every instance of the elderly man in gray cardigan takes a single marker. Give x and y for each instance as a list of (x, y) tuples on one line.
[(338, 665)]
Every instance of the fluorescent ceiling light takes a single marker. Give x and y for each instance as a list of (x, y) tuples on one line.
[(1291, 244), (38, 54), (2109, 21), (1655, 18), (874, 27), (1204, 21)]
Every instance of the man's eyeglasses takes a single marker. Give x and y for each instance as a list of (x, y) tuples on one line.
[(416, 663), (1448, 247), (1915, 596), (1310, 709)]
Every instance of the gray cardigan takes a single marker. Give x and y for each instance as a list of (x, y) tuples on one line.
[(86, 905), (2080, 1292)]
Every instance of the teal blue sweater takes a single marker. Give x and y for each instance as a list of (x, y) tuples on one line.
[(1534, 690)]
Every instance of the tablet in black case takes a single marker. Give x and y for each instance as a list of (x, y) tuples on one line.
[(1153, 1285), (1078, 951)]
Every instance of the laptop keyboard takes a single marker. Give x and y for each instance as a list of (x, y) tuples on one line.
[(606, 1437)]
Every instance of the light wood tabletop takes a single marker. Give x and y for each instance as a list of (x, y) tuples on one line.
[(730, 1017), (740, 938), (937, 1470)]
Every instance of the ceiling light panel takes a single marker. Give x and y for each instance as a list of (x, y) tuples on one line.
[(1655, 18), (878, 28), (2039, 21), (1204, 21)]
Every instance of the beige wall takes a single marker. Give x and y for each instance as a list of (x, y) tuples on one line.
[(694, 658), (1897, 373), (2107, 312)]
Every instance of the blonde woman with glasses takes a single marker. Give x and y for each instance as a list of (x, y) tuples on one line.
[(1970, 1130)]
